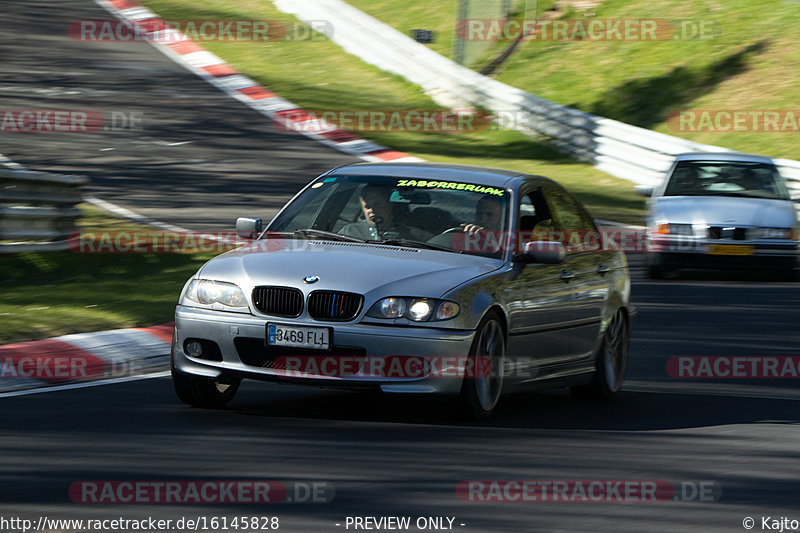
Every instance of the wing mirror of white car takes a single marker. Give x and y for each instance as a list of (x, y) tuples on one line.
[(548, 252), (644, 190), (248, 228)]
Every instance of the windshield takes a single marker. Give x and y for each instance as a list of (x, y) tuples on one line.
[(717, 178), (433, 214)]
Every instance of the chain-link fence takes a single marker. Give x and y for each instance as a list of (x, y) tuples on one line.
[(469, 51)]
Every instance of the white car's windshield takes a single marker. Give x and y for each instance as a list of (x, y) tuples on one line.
[(427, 213), (718, 178)]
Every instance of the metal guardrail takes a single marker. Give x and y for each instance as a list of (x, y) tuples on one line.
[(37, 209), (629, 152)]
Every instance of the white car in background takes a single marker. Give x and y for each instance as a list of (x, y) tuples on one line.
[(721, 211)]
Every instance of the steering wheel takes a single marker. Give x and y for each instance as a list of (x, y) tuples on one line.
[(452, 230)]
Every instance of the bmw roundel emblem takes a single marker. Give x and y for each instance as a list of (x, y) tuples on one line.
[(311, 279)]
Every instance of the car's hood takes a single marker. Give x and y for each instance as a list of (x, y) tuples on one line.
[(724, 210), (351, 267)]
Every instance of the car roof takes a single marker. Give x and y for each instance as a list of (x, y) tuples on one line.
[(724, 156), (494, 177)]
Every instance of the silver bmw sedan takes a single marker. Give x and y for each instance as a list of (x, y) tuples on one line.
[(456, 282)]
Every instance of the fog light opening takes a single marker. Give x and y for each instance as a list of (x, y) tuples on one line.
[(193, 349)]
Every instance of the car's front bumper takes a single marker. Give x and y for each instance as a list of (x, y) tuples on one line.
[(723, 254), (248, 357)]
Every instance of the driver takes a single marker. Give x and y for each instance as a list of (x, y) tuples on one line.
[(483, 235), (380, 219)]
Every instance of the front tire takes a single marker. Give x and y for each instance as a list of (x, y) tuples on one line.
[(204, 392), (655, 272), (655, 268), (483, 380), (611, 362)]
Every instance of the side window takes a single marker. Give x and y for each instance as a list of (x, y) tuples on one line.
[(534, 214), (526, 207), (570, 218)]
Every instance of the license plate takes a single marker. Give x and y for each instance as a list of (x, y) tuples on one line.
[(730, 249), (298, 336)]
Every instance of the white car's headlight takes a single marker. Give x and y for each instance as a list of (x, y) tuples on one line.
[(675, 229), (773, 233), (218, 294), (416, 309)]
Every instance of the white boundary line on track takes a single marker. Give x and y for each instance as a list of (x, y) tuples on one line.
[(108, 206), (72, 386), (6, 162), (133, 215)]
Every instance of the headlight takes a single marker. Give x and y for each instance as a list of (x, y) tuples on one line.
[(416, 309), (391, 308), (420, 310), (446, 310), (218, 294), (773, 233), (675, 229)]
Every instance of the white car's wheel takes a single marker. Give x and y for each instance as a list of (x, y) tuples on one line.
[(655, 270)]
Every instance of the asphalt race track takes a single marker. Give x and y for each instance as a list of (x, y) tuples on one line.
[(200, 158), (383, 456), (389, 457)]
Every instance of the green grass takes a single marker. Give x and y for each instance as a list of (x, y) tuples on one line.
[(751, 64), (55, 293), (440, 16), (318, 75)]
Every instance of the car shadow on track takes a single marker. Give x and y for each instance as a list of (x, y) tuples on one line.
[(631, 411)]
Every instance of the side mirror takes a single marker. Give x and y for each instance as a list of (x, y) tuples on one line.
[(644, 190), (247, 227), (547, 252)]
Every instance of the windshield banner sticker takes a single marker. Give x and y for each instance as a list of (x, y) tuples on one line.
[(450, 185)]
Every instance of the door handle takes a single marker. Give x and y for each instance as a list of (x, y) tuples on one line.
[(603, 269), (567, 276)]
